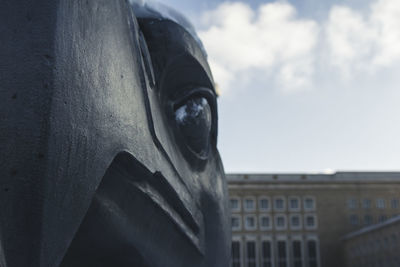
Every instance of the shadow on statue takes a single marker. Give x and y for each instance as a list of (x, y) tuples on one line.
[(108, 139)]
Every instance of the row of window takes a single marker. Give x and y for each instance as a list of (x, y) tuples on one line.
[(366, 203), (279, 222), (275, 253), (391, 261), (279, 203), (373, 245), (367, 219)]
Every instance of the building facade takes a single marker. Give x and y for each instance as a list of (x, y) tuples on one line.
[(285, 220), (376, 245)]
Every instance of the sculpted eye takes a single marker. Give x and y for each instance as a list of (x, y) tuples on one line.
[(193, 119)]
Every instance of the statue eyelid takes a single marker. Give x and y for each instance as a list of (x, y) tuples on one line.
[(195, 91)]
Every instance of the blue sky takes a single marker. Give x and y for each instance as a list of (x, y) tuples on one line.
[(306, 86)]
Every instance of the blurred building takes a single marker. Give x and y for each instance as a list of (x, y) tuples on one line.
[(374, 246), (299, 220)]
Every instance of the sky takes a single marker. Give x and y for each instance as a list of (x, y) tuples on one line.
[(306, 85)]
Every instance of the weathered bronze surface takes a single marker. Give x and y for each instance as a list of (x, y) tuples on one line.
[(107, 139)]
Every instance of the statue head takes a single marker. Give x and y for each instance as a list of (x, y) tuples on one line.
[(113, 162)]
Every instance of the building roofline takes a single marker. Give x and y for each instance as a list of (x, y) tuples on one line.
[(372, 228), (385, 176)]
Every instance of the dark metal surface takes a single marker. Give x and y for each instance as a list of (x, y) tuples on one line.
[(107, 140)]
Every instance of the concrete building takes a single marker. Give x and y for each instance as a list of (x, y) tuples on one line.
[(285, 220), (376, 245)]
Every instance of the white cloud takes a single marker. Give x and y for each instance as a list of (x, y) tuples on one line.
[(349, 39), (272, 38), (275, 41), (364, 42), (386, 19)]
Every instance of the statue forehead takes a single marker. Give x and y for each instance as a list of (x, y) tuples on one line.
[(157, 11)]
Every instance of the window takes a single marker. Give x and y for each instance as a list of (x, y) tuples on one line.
[(382, 218), (265, 222), (295, 221), (250, 254), (312, 253), (380, 203), (371, 245), (309, 203), (394, 240), (266, 250), (297, 254), (279, 203), (352, 203), (386, 241), (235, 204), (236, 257), (367, 219), (366, 203), (250, 222), (249, 204), (310, 221), (281, 247), (294, 204), (379, 244), (264, 204), (395, 203), (280, 222), (353, 219), (235, 222)]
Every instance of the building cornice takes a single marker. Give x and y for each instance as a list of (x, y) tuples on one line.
[(338, 177)]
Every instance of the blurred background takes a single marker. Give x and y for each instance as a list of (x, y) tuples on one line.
[(305, 85), (309, 127)]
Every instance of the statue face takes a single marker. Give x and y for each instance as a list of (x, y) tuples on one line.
[(170, 211), (110, 152)]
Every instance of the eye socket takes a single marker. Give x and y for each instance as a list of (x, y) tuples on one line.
[(193, 118)]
